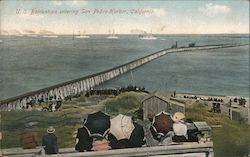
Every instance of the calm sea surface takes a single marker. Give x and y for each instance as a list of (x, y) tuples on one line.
[(31, 63)]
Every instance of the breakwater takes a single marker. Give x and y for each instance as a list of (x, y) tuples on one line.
[(67, 89)]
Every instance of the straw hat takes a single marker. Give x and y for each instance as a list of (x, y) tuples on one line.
[(178, 116), (50, 129)]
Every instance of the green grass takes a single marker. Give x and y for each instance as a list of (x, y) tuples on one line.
[(231, 140), (65, 121), (66, 136), (13, 126)]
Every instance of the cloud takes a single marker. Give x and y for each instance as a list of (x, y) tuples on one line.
[(211, 9)]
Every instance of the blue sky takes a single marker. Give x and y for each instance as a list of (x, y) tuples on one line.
[(160, 17)]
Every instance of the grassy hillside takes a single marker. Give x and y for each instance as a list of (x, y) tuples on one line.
[(231, 140), (65, 121)]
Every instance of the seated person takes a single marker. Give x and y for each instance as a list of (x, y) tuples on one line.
[(49, 141), (162, 127), (163, 139), (83, 140), (179, 128), (136, 139), (117, 144), (100, 144)]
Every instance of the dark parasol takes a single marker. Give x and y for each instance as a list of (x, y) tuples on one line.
[(162, 123), (98, 124)]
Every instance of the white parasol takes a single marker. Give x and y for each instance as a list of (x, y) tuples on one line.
[(121, 127)]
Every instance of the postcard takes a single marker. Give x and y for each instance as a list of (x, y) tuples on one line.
[(124, 78)]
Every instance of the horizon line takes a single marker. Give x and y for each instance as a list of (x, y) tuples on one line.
[(5, 34)]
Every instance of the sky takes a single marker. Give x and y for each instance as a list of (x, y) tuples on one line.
[(124, 17)]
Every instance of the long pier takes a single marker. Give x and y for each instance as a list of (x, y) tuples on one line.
[(83, 84)]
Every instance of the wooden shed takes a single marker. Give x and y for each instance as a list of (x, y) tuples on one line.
[(236, 112), (157, 102)]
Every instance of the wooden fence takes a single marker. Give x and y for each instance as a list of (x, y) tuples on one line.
[(192, 149)]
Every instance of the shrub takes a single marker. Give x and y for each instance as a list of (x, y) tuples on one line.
[(124, 103)]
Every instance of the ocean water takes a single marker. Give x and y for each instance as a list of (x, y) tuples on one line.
[(32, 63), (212, 72)]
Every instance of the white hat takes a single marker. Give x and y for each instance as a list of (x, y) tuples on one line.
[(180, 129), (50, 129), (178, 116)]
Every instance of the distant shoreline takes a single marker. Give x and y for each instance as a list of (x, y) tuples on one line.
[(212, 95), (237, 35), (224, 98)]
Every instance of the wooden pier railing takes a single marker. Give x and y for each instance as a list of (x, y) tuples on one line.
[(191, 149)]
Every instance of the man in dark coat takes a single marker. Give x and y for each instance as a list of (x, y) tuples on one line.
[(84, 141), (49, 141)]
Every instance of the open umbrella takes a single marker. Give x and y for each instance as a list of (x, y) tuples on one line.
[(121, 127), (98, 124), (162, 123)]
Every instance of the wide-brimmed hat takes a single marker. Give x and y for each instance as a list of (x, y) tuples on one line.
[(50, 129), (178, 116)]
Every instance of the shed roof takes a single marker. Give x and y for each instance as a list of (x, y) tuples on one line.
[(163, 96), (202, 126)]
